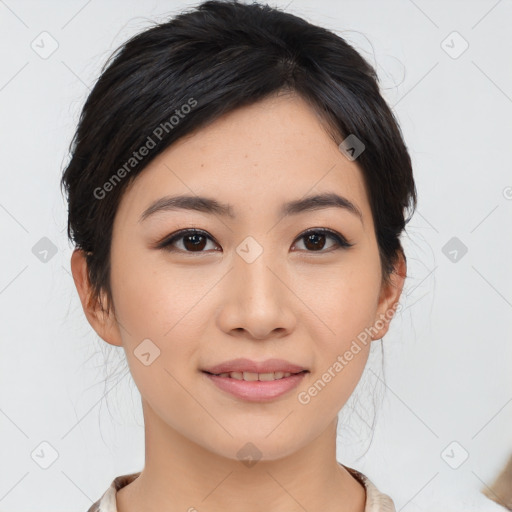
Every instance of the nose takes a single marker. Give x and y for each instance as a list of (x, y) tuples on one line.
[(257, 300)]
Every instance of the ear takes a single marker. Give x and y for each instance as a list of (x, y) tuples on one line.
[(104, 324), (389, 297)]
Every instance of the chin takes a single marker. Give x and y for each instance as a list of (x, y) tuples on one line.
[(250, 449)]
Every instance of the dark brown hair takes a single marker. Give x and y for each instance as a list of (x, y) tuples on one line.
[(178, 76)]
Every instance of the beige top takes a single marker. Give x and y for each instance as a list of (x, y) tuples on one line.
[(376, 501)]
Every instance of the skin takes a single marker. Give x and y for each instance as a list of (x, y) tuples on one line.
[(293, 302)]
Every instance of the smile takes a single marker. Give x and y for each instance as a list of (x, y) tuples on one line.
[(251, 376), (256, 387)]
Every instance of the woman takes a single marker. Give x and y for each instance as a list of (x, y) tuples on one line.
[(237, 191)]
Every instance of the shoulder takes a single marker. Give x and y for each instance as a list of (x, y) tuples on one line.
[(107, 502), (376, 501)]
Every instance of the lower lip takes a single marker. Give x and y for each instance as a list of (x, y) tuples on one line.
[(258, 390)]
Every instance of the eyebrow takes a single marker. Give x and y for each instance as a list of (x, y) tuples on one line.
[(212, 206)]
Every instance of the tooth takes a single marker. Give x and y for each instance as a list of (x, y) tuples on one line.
[(250, 376)]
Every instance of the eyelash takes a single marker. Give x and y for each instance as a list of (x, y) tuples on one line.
[(340, 240)]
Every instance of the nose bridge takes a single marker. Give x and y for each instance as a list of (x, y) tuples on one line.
[(256, 281), (258, 300)]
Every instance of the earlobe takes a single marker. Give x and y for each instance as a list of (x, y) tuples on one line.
[(389, 297), (100, 321)]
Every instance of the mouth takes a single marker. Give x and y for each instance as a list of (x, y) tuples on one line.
[(253, 376), (256, 387), (244, 366), (255, 381)]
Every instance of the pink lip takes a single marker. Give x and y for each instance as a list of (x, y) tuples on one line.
[(257, 391), (247, 365)]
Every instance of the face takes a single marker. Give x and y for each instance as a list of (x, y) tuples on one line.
[(254, 281)]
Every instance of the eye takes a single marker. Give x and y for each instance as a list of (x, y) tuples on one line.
[(314, 239), (194, 240)]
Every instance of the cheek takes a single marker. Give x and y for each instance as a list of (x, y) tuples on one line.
[(343, 297), (153, 298), (157, 304), (165, 304), (345, 303)]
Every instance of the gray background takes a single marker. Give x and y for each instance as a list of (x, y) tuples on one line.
[(446, 394)]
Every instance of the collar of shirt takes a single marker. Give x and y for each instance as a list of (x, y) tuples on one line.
[(376, 501)]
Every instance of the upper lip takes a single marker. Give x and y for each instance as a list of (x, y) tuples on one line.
[(247, 365)]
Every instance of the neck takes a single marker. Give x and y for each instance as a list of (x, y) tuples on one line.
[(182, 475)]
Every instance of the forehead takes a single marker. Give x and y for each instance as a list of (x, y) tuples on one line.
[(254, 158)]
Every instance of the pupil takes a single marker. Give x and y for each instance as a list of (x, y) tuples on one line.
[(195, 244), (312, 237)]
